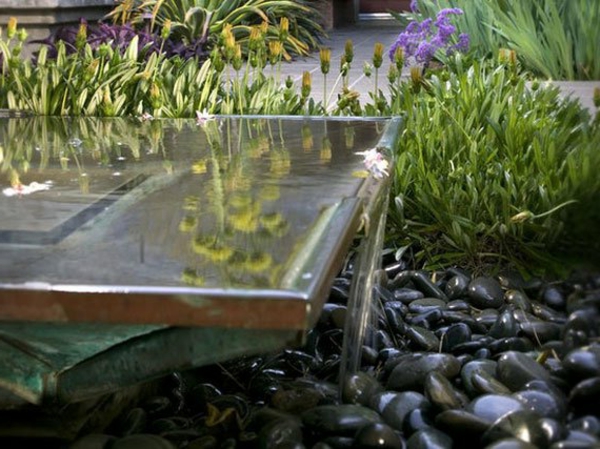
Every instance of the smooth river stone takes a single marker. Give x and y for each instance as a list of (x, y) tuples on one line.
[(377, 436), (456, 287), (359, 387), (426, 285), (542, 403), (484, 293), (397, 409), (423, 338), (442, 393), (466, 373), (410, 372), (511, 443), (540, 330), (518, 299), (455, 334), (425, 305), (461, 423), (504, 326), (429, 439), (585, 396), (344, 419), (515, 369), (522, 424), (492, 407), (142, 441), (582, 363), (407, 295)]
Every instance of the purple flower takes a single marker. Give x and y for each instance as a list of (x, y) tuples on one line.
[(414, 5), (421, 40)]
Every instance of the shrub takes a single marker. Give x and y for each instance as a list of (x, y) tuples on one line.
[(204, 20), (491, 172)]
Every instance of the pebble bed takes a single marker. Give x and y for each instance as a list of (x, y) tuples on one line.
[(459, 362)]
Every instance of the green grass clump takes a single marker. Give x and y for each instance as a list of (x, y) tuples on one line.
[(491, 172), (556, 39)]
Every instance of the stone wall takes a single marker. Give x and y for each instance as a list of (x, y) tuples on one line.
[(40, 17)]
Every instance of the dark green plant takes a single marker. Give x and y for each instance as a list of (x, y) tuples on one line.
[(191, 20), (490, 172)]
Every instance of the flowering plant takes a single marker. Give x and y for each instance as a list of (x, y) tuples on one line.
[(420, 41)]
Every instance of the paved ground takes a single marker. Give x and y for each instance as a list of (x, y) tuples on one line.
[(364, 36)]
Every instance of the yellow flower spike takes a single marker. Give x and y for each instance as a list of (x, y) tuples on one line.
[(349, 51), (325, 154), (11, 28), (522, 217), (284, 28), (81, 37), (270, 192), (325, 58), (399, 58), (393, 74), (239, 200), (191, 277), (264, 27), (306, 84), (416, 77), (307, 139), (275, 50), (378, 55), (188, 224), (201, 244), (166, 29), (245, 221), (219, 253), (258, 262), (255, 38), (237, 62), (191, 203), (199, 167), (270, 220)]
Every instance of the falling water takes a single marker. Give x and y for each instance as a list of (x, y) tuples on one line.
[(360, 302)]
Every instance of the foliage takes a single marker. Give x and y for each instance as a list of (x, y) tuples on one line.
[(119, 37), (104, 82), (553, 38), (490, 172), (192, 20), (422, 41)]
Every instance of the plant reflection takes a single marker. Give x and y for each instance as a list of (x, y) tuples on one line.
[(241, 173)]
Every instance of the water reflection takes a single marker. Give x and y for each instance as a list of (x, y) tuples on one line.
[(227, 203)]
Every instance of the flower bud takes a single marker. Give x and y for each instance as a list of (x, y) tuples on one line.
[(349, 51), (81, 38), (367, 69), (597, 97), (166, 30), (284, 27), (399, 58), (325, 57), (11, 28), (306, 84), (22, 35), (522, 217), (378, 55)]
